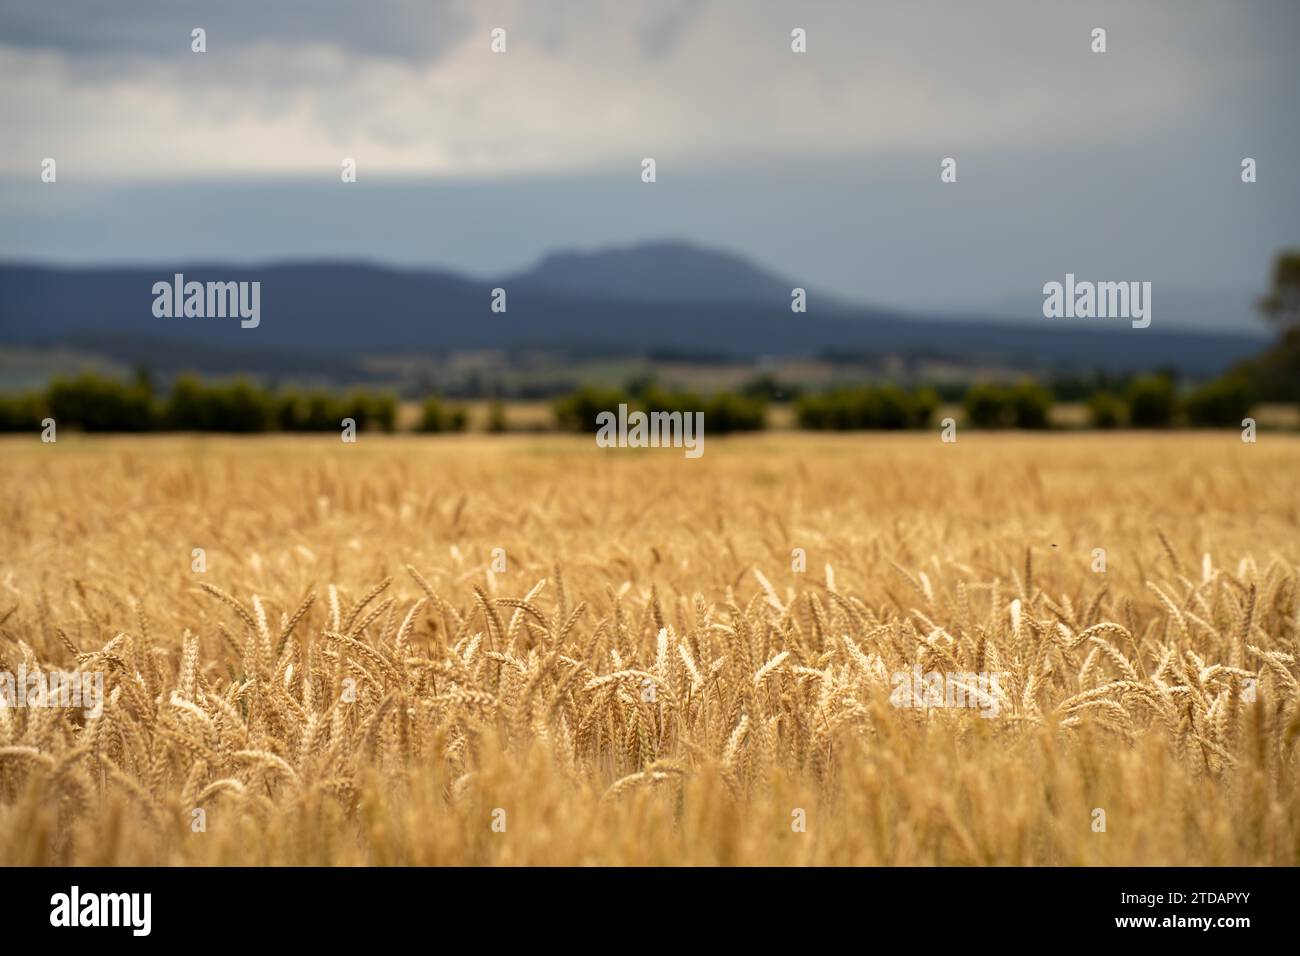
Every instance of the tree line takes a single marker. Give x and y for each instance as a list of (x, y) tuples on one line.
[(95, 403)]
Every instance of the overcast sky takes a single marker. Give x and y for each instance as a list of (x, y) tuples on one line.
[(822, 166)]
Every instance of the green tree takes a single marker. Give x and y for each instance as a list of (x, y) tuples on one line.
[(866, 407), (188, 407), (729, 412), (98, 404), (1152, 402), (578, 411), (1106, 410), (1031, 405), (1222, 403), (437, 417), (893, 408), (1282, 304), (20, 413), (988, 405), (925, 402)]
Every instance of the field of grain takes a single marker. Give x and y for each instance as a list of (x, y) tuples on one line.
[(649, 679)]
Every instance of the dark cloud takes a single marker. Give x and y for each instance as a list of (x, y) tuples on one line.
[(405, 29), (660, 31)]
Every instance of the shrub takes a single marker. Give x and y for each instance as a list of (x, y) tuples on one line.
[(1031, 405), (436, 417), (188, 407), (242, 407), (1151, 402), (1222, 403), (768, 388), (100, 405), (866, 407), (1025, 405), (20, 413), (812, 411), (1106, 410), (383, 411), (97, 404), (577, 412), (893, 408), (925, 402), (496, 422), (728, 412), (318, 411), (369, 410), (987, 406), (238, 407), (723, 411)]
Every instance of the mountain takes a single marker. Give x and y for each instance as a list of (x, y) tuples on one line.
[(655, 272), (659, 297)]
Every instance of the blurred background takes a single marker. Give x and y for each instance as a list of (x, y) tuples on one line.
[(522, 170)]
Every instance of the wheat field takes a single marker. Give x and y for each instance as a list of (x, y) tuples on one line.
[(649, 679)]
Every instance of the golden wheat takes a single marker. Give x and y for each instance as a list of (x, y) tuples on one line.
[(653, 679)]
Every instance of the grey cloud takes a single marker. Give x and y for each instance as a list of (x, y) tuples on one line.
[(405, 29), (657, 25), (661, 29)]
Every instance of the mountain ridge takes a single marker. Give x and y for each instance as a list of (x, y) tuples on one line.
[(636, 298)]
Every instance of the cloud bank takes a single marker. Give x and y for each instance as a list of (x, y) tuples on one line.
[(412, 88)]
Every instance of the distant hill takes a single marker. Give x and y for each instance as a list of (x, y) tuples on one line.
[(657, 272), (657, 297)]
